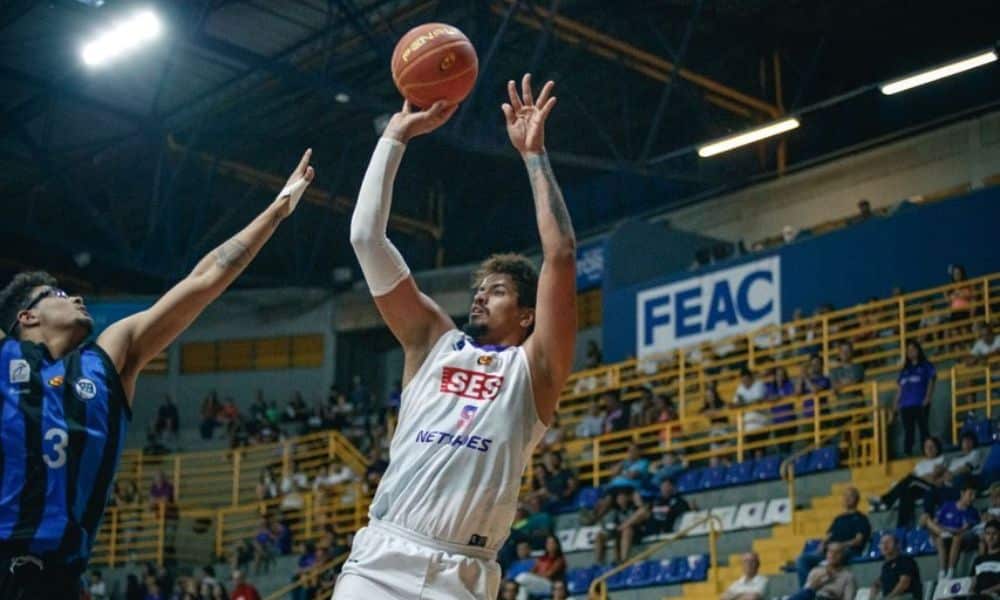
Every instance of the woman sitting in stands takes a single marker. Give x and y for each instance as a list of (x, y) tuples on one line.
[(928, 474), (550, 567)]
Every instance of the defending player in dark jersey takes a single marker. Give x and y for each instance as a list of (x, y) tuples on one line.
[(66, 404)]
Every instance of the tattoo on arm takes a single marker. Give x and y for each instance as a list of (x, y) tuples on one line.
[(233, 253), (543, 182)]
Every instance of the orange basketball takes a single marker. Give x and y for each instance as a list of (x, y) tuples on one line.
[(434, 62)]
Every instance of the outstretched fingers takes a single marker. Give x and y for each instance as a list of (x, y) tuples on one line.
[(515, 101), (526, 94), (508, 113), (547, 108), (544, 95), (303, 162)]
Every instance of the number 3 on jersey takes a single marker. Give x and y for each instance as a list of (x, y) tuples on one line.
[(55, 455)]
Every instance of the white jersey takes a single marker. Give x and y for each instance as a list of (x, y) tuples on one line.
[(467, 428)]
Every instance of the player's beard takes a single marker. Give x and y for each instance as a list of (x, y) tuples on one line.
[(474, 330)]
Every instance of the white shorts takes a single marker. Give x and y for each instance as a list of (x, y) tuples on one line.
[(391, 563)]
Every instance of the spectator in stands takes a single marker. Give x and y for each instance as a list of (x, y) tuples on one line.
[(916, 388), (549, 567), (98, 588), (592, 423), (161, 492), (847, 372), (376, 468), (264, 546), (258, 410), (900, 575), (229, 414), (959, 298), (986, 568), (210, 408), (951, 530), (669, 467), (360, 396), (333, 474), (623, 508), (154, 447), (295, 408), (208, 581), (781, 386), (558, 484), (241, 589), (830, 581), (658, 516), (559, 591), (632, 472), (134, 588), (167, 418), (594, 357), (927, 474), (968, 464), (751, 391), (395, 398), (987, 345), (293, 485), (553, 438), (267, 487), (751, 585), (616, 417), (849, 533), (509, 590), (640, 410), (813, 381)]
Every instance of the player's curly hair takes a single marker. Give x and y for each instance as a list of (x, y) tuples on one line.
[(521, 271), (17, 294)]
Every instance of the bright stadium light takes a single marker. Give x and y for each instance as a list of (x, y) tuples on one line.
[(124, 37), (754, 135), (912, 81)]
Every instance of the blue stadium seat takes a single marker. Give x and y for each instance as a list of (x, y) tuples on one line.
[(713, 477), (660, 572), (984, 432), (741, 473), (824, 459), (767, 468), (690, 481), (803, 464), (642, 574), (520, 566), (678, 572), (618, 580), (578, 580), (918, 542), (697, 568), (587, 498)]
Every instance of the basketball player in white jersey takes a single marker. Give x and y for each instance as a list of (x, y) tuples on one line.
[(475, 402)]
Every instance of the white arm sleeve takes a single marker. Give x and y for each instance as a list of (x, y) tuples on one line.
[(381, 263)]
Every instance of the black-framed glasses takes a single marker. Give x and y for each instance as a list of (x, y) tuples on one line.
[(53, 292)]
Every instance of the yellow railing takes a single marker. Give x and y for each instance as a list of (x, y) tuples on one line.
[(311, 577), (878, 331), (974, 390), (599, 586), (810, 418), (148, 534), (864, 426), (229, 477)]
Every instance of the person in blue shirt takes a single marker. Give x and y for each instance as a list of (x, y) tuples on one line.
[(952, 529), (916, 388), (781, 386)]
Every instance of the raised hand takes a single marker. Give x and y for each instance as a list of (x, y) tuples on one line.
[(407, 123), (526, 116), (297, 183)]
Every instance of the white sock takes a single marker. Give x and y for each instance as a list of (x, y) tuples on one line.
[(941, 575), (949, 574)]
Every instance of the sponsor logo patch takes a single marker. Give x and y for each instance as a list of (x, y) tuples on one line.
[(85, 389), (470, 384), (19, 371), (56, 381)]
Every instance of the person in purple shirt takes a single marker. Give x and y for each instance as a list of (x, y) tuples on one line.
[(916, 387), (813, 381), (952, 531), (781, 386)]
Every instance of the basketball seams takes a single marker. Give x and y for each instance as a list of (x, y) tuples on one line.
[(397, 77)]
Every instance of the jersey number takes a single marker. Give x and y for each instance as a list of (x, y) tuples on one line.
[(59, 439)]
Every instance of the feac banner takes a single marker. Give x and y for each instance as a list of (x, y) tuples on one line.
[(589, 266), (709, 307)]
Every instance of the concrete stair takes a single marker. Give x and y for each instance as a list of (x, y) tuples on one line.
[(783, 545)]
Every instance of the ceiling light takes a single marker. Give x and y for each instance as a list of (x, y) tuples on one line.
[(754, 135), (912, 81), (342, 98), (124, 37)]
